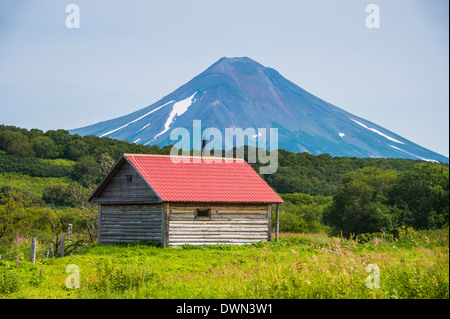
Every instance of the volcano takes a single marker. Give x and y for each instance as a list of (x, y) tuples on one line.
[(241, 93)]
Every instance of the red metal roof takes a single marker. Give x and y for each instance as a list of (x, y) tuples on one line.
[(193, 179)]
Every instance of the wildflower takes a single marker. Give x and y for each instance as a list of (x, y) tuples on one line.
[(40, 273), (17, 261)]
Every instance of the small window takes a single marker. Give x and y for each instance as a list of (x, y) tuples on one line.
[(203, 213), (129, 178)]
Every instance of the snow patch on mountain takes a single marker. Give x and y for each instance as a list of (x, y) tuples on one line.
[(424, 159), (378, 132), (110, 132), (146, 125), (179, 108), (134, 121)]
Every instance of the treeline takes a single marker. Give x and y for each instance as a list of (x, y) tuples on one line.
[(373, 200), (378, 200), (322, 174), (60, 144), (25, 151)]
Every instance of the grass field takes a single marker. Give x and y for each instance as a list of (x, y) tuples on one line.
[(299, 266)]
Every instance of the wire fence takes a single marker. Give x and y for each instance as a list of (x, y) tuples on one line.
[(15, 254), (41, 251)]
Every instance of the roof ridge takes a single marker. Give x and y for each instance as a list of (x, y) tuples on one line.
[(189, 156)]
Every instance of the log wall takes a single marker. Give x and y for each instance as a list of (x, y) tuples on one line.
[(228, 224), (130, 223)]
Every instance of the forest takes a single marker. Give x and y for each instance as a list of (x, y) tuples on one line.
[(46, 178)]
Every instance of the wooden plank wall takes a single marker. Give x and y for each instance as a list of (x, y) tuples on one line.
[(229, 224), (119, 191), (130, 223)]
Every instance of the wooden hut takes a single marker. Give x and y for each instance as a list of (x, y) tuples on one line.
[(183, 200)]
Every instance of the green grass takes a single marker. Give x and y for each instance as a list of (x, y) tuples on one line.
[(299, 266)]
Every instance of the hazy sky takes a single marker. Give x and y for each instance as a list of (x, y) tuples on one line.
[(128, 54)]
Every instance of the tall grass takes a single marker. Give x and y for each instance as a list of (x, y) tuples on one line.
[(299, 266)]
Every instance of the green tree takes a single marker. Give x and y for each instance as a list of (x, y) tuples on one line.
[(16, 143), (34, 132), (360, 205), (13, 202), (291, 219), (55, 222), (76, 149), (44, 147), (422, 193), (60, 137), (86, 171), (106, 163), (88, 211), (58, 195), (302, 212)]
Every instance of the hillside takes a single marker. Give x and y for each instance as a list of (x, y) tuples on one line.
[(297, 172)]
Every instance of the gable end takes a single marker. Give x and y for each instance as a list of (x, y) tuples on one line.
[(124, 185)]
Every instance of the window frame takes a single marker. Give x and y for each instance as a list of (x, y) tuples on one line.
[(203, 209)]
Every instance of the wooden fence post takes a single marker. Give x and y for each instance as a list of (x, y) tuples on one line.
[(33, 250), (277, 230), (61, 247)]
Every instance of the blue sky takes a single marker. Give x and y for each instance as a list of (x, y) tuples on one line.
[(128, 54)]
